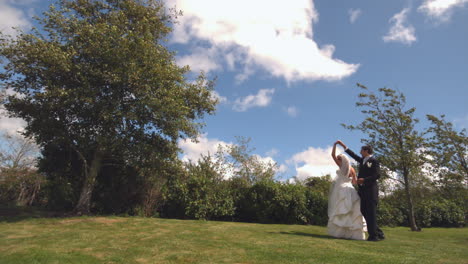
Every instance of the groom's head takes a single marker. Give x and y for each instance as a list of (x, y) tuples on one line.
[(366, 151)]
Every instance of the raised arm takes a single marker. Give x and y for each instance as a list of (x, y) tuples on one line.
[(353, 155), (350, 152), (334, 154)]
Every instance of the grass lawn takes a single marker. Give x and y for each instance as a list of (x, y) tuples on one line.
[(152, 240)]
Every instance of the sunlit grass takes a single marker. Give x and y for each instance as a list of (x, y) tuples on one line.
[(153, 240)]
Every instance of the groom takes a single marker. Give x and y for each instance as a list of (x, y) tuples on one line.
[(369, 172)]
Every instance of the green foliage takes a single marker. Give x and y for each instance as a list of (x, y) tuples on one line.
[(198, 193), (433, 209), (275, 202), (320, 185), (317, 207), (391, 130), (448, 151), (97, 79), (390, 215), (201, 192), (241, 163), (272, 202), (21, 186), (62, 168), (440, 212)]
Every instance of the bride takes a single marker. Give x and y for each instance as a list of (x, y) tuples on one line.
[(344, 211)]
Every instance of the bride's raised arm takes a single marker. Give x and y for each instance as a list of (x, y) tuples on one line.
[(334, 155)]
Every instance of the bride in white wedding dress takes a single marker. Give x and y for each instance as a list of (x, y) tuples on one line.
[(344, 210)]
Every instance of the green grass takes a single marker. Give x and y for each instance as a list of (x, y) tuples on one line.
[(153, 240)]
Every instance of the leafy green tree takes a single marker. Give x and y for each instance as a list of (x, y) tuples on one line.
[(97, 78), (390, 128), (320, 184), (448, 149)]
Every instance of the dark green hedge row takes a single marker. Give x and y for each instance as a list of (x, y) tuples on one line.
[(266, 201)]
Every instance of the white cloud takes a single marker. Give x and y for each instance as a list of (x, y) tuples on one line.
[(12, 17), (274, 35), (11, 125), (354, 14), (400, 31), (221, 99), (266, 160), (314, 162), (200, 60), (292, 111), (194, 150), (440, 10), (280, 168), (262, 99), (273, 152)]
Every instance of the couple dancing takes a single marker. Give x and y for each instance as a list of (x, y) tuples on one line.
[(351, 213)]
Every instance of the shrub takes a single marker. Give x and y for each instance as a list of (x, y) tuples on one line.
[(387, 215), (317, 207), (198, 193), (440, 212)]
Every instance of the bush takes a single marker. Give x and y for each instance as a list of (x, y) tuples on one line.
[(275, 202), (387, 215), (440, 212), (198, 193), (22, 187), (317, 206)]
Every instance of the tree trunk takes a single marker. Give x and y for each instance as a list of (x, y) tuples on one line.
[(409, 200), (91, 172), (21, 200), (35, 190)]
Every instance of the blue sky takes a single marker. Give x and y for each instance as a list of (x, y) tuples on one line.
[(286, 70)]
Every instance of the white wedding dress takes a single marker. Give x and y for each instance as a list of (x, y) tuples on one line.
[(344, 210)]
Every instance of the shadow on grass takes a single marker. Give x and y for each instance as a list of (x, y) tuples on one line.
[(305, 234)]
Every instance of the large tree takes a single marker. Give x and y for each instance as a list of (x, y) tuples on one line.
[(97, 78), (390, 128)]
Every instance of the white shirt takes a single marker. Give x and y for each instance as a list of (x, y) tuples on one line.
[(366, 159)]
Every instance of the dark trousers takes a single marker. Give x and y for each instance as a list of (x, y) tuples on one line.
[(369, 211)]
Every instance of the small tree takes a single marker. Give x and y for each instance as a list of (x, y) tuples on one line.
[(239, 161), (19, 180), (448, 152), (391, 130), (98, 79), (448, 149)]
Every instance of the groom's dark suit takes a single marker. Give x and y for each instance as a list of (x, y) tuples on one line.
[(369, 192)]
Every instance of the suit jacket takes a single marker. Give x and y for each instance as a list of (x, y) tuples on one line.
[(370, 172)]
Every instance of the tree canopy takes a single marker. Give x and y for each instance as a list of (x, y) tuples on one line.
[(96, 77)]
